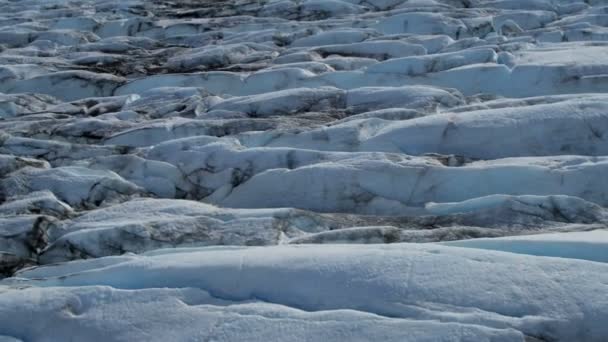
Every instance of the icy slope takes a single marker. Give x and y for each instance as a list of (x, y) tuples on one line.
[(488, 295), (135, 133), (576, 245)]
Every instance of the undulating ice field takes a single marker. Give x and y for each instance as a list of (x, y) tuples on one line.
[(304, 170)]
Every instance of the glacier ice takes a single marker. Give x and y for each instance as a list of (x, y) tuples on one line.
[(311, 170)]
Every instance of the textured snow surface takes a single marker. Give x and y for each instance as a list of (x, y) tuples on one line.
[(303, 170)]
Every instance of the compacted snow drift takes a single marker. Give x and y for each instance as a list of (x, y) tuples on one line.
[(304, 170)]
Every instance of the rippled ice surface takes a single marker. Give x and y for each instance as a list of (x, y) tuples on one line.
[(311, 170)]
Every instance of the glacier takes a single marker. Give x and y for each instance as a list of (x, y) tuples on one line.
[(303, 170)]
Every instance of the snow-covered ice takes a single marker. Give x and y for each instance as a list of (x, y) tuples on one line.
[(489, 295), (303, 170), (589, 245)]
